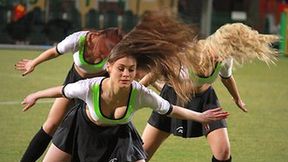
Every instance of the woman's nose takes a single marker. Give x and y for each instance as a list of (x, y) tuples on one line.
[(126, 72)]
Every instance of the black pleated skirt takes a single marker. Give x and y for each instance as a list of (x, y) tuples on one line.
[(187, 128), (87, 142)]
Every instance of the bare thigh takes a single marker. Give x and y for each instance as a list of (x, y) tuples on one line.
[(56, 115), (219, 143), (54, 154), (153, 138)]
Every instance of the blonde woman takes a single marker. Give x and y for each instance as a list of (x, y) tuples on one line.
[(209, 59)]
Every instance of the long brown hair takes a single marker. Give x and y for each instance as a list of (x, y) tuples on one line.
[(158, 43)]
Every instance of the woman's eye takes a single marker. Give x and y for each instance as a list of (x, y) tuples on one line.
[(121, 69), (131, 70)]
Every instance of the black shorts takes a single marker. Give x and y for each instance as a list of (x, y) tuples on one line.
[(87, 142), (72, 76), (187, 128)]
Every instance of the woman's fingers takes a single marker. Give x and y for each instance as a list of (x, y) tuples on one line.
[(24, 66), (218, 114), (222, 115), (20, 65), (26, 108), (244, 109), (216, 109), (26, 105)]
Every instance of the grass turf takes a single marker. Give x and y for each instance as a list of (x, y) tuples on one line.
[(259, 135)]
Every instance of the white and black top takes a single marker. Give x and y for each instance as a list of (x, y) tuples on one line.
[(75, 43), (89, 91), (222, 69)]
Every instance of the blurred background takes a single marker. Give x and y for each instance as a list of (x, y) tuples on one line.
[(257, 136), (46, 22)]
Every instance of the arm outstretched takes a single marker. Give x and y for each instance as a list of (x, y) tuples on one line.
[(27, 66), (231, 86), (31, 99), (204, 117)]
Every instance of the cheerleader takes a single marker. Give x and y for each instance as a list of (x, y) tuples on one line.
[(209, 59), (90, 50), (99, 129)]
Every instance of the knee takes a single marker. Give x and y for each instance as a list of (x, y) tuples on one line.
[(223, 153), (50, 127), (219, 143)]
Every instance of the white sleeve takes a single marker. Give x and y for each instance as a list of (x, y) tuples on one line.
[(151, 99), (70, 43), (226, 70), (78, 89)]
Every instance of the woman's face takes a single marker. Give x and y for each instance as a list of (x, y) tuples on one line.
[(122, 72)]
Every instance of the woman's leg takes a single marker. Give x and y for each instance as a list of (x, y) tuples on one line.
[(220, 145), (54, 154), (43, 137), (56, 115), (153, 138)]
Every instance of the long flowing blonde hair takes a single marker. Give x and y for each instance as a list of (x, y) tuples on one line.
[(237, 41)]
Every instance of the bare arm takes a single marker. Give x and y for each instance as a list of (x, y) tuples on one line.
[(31, 99), (148, 79), (205, 117), (151, 79), (26, 66), (158, 85), (231, 86)]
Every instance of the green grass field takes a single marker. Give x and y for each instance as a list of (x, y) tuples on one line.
[(257, 136)]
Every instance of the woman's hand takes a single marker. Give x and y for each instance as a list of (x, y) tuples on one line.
[(213, 115), (28, 102), (241, 105), (25, 66)]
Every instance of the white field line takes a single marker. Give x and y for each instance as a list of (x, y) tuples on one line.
[(19, 102)]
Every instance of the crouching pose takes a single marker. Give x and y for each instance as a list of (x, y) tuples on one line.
[(99, 127), (90, 50), (208, 59)]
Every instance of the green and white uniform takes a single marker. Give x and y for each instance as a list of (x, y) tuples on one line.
[(222, 69), (200, 103), (75, 43), (118, 140), (89, 91)]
